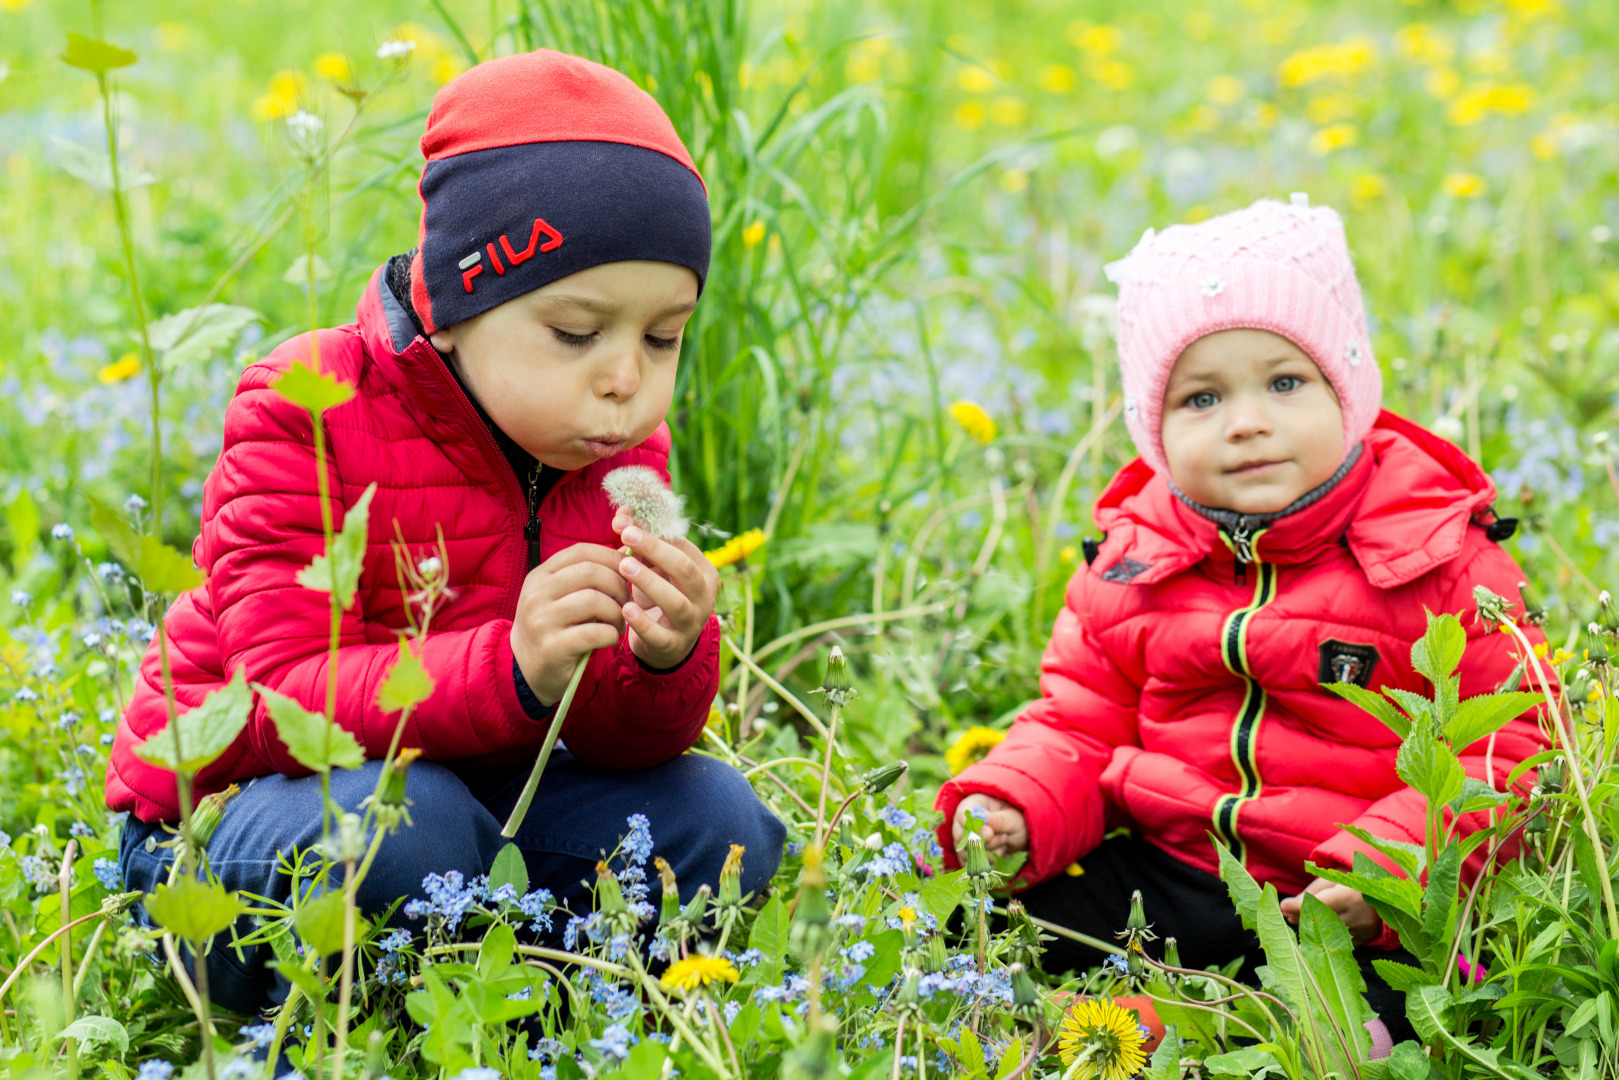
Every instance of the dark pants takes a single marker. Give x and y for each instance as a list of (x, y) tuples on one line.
[(1182, 902), (697, 807)]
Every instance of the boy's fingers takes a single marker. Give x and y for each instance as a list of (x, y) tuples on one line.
[(588, 576), (574, 554), (676, 605), (665, 556), (586, 606), (652, 631)]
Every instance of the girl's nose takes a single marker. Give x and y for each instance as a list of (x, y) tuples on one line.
[(1247, 418)]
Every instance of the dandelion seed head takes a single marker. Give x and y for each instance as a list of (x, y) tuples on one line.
[(641, 492)]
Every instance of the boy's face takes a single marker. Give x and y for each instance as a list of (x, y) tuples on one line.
[(1250, 423), (582, 368)]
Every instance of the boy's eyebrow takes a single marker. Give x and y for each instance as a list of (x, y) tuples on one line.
[(590, 303)]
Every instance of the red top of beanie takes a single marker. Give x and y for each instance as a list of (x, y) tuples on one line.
[(547, 96)]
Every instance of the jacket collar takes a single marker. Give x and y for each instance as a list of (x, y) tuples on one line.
[(1402, 507)]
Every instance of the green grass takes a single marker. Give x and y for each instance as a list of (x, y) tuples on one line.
[(913, 203)]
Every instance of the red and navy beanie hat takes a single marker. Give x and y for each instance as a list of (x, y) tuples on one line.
[(541, 165)]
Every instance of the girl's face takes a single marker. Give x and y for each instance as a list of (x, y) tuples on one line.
[(1250, 423), (582, 368)]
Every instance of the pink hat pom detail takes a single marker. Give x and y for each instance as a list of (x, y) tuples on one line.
[(1282, 267)]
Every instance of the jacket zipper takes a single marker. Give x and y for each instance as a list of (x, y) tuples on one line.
[(531, 529), (1245, 727)]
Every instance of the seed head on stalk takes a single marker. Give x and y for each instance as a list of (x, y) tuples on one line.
[(641, 492)]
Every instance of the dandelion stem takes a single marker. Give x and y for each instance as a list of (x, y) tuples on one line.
[(520, 811), (64, 882), (781, 691), (826, 774)]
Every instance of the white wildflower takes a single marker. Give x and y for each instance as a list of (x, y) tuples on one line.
[(642, 492)]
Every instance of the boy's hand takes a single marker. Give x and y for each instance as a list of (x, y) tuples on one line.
[(1359, 917), (570, 604), (672, 592), (1002, 826)]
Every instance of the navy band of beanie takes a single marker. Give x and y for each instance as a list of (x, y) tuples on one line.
[(541, 165)]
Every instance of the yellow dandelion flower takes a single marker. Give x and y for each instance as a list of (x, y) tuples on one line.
[(334, 66), (1225, 89), (1266, 115), (1512, 99), (281, 100), (907, 917), (1098, 39), (1114, 74), (125, 367), (1340, 60), (1073, 869), (753, 234), (970, 115), (1057, 78), (1327, 108), (14, 5), (1069, 554), (695, 971), (1009, 111), (1367, 186), (1421, 44), (1464, 185), (1103, 1040), (974, 421), (972, 747), (447, 67), (736, 549), (1543, 146), (976, 79), (1532, 9), (1198, 212), (1335, 137), (1015, 181)]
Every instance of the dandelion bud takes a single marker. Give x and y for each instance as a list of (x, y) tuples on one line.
[(669, 911), (1024, 994), (938, 955), (1534, 612), (1597, 652), (1579, 688), (846, 834), (976, 859), (1550, 779), (1172, 953), (393, 789), (210, 813), (837, 688), (1513, 680), (1492, 609), (1607, 617), (730, 894), (641, 493), (874, 842), (609, 894), (697, 910), (909, 998), (1137, 929), (883, 777)]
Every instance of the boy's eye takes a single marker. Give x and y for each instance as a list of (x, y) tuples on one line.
[(1203, 399), (663, 343), (1283, 383), (573, 339)]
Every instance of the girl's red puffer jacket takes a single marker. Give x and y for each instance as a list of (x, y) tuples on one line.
[(1181, 688), (412, 431)]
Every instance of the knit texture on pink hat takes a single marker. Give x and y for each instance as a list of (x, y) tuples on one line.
[(1274, 266)]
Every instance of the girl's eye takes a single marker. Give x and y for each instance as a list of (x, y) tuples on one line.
[(573, 339), (663, 344), (1203, 399), (1283, 383)]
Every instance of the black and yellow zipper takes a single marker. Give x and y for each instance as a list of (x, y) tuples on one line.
[(1234, 651)]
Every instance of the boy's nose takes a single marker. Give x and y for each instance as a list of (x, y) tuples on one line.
[(621, 377)]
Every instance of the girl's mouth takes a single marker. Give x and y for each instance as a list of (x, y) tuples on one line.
[(1253, 468)]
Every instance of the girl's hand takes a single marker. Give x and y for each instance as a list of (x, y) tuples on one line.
[(570, 604), (1002, 826), (1363, 922), (672, 591)]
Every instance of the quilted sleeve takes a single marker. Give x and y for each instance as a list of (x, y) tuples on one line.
[(1487, 662), (262, 526), (1051, 761)]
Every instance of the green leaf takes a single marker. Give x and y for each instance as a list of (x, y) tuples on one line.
[(319, 922), (191, 909), (197, 333), (408, 684), (22, 521), (970, 1053), (1428, 1008), (645, 1061), (1329, 954), (314, 741), (1430, 767), (347, 554), (1407, 856), (1439, 901), (205, 732), (93, 167), (1415, 705), (1282, 952), (1402, 977), (509, 869), (1244, 889), (91, 1030), (1438, 652), (1408, 1061), (122, 539), (96, 57), (1166, 1058), (1376, 704), (1011, 1059), (496, 950), (165, 570), (885, 962), (300, 385), (1250, 1061), (1478, 716), (1476, 795), (941, 895)]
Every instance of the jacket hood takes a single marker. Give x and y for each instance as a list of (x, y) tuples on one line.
[(1402, 508)]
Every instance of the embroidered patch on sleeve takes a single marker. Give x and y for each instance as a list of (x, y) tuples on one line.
[(1124, 571), (1343, 661)]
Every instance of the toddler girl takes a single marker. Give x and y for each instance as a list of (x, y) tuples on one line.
[(1277, 532)]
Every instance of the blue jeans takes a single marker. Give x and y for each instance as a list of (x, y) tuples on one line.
[(697, 807)]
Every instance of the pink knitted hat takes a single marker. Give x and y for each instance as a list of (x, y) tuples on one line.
[(1278, 267)]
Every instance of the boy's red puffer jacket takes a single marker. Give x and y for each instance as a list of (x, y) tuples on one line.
[(412, 431), (1181, 691)]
